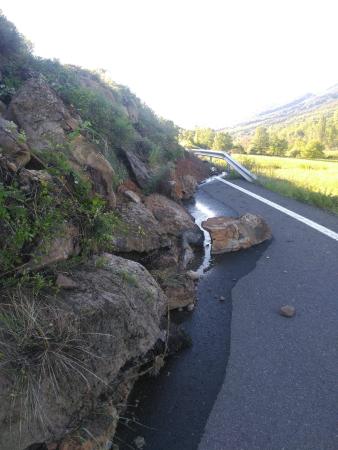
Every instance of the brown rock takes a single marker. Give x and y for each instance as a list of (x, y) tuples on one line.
[(139, 167), (108, 326), (229, 234), (38, 110), (182, 188), (287, 311), (64, 282), (178, 287), (183, 179), (58, 249), (173, 217), (12, 145), (132, 196), (87, 157), (140, 231)]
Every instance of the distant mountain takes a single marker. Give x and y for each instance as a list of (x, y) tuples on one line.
[(298, 109)]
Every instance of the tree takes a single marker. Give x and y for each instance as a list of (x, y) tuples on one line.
[(260, 142), (186, 138), (204, 137), (313, 149), (222, 141), (278, 146)]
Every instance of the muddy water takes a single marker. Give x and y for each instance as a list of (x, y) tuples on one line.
[(174, 407)]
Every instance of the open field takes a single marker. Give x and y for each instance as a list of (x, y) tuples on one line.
[(310, 181)]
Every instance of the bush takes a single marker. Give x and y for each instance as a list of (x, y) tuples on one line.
[(11, 41), (27, 217), (313, 149)]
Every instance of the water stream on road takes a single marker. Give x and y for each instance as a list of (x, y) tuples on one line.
[(174, 407)]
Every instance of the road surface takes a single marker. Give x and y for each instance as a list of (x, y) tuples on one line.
[(253, 380), (280, 391)]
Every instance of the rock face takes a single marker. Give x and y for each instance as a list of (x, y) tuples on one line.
[(140, 232), (38, 110), (173, 218), (12, 144), (178, 287), (229, 234), (93, 331), (139, 168), (87, 158), (62, 246), (183, 179)]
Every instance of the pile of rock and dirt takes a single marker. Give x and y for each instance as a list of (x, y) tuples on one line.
[(90, 263)]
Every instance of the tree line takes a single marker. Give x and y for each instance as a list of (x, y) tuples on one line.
[(307, 138)]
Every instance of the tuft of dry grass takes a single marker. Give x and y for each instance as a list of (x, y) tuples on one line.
[(41, 346)]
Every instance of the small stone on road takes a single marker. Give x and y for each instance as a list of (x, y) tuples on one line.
[(287, 311)]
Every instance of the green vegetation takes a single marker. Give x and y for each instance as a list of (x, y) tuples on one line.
[(314, 182), (206, 138), (114, 118), (29, 218), (314, 136)]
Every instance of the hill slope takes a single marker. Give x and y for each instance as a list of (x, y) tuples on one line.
[(299, 109)]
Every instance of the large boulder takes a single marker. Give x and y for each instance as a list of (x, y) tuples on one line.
[(177, 286), (173, 218), (74, 363), (229, 234), (139, 232), (38, 110), (139, 168), (60, 247), (12, 144)]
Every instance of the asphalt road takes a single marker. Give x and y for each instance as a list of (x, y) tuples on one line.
[(252, 380), (281, 382)]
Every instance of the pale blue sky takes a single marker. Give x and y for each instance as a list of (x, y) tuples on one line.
[(196, 62)]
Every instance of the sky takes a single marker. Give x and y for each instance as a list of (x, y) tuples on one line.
[(197, 62)]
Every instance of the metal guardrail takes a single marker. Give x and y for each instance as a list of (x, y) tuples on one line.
[(245, 173)]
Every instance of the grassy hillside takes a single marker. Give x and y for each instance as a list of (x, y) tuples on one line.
[(112, 116), (314, 182)]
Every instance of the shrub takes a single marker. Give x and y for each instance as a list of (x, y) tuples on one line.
[(27, 217), (313, 149)]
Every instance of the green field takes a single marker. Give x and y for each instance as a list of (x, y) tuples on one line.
[(310, 181)]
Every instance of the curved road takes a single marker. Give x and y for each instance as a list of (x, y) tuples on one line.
[(281, 384), (253, 380)]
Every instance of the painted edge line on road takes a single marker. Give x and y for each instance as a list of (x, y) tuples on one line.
[(290, 213)]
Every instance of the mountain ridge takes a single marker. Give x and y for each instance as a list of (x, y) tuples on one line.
[(297, 109)]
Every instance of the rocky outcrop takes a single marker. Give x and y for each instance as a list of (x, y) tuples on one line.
[(63, 245), (89, 338), (183, 178), (178, 287), (155, 224), (41, 114), (86, 158), (139, 168), (172, 217), (12, 144), (46, 121), (229, 234), (139, 232)]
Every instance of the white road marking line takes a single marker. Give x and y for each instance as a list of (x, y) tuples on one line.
[(290, 213)]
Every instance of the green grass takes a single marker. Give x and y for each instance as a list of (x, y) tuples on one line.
[(310, 181)]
